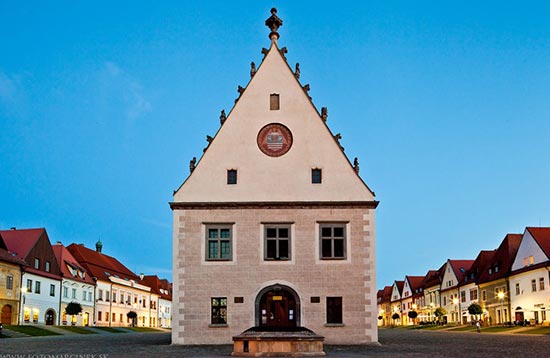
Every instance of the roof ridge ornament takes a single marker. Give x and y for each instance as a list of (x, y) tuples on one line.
[(274, 22)]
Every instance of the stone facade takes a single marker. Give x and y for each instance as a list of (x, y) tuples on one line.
[(10, 290)]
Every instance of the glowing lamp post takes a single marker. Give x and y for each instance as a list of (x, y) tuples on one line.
[(455, 301), (500, 296)]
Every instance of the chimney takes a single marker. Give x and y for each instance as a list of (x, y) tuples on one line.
[(141, 276), (98, 246), (13, 228)]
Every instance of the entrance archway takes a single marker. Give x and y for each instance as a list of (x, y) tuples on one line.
[(6, 315), (49, 318), (277, 306)]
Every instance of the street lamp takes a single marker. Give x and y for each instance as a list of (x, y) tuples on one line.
[(500, 296), (455, 301), (22, 306)]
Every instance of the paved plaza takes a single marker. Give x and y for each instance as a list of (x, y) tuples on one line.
[(394, 343)]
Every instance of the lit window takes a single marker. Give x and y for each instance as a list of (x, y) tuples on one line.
[(333, 241), (274, 103), (316, 176), (334, 310), (277, 243), (218, 242), (231, 176), (219, 310)]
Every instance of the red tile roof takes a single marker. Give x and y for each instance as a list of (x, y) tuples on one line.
[(415, 284), (481, 263), (100, 265), (501, 263), (460, 267), (542, 237), (157, 285), (7, 256), (21, 241), (65, 259)]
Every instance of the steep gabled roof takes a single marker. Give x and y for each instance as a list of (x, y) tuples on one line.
[(542, 237), (415, 284), (481, 263), (21, 241), (460, 267), (400, 285), (434, 277), (501, 262), (66, 259), (100, 265), (7, 256), (163, 288)]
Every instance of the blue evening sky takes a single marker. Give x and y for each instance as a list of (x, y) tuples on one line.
[(446, 104)]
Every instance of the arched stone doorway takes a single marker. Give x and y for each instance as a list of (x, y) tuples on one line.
[(6, 315), (277, 306), (49, 318)]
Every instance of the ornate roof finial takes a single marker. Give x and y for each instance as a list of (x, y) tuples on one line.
[(252, 69), (223, 117), (274, 22), (356, 165), (192, 163), (324, 113), (297, 71)]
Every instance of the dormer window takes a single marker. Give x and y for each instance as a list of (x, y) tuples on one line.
[(231, 176), (274, 103), (47, 266), (36, 263)]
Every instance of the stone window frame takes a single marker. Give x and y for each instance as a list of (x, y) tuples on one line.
[(541, 284), (218, 311), (277, 239), (207, 240), (9, 282), (334, 311), (333, 238)]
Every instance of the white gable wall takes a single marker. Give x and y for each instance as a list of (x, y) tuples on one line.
[(527, 248)]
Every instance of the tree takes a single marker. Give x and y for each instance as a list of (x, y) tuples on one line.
[(412, 315), (395, 317), (132, 315), (73, 308), (439, 312), (475, 309)]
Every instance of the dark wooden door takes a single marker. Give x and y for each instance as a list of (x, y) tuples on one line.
[(6, 315), (49, 317), (278, 309)]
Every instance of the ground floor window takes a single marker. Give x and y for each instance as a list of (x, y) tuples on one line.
[(334, 310), (218, 242), (219, 310), (277, 242)]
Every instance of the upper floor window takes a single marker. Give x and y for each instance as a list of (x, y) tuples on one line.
[(37, 287), (274, 103), (29, 285), (541, 284), (231, 176), (47, 266), (52, 290), (534, 285), (316, 176), (100, 295), (484, 295), (9, 282), (36, 263), (218, 242), (277, 242), (65, 292), (333, 241), (517, 289)]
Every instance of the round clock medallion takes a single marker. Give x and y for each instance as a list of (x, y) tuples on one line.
[(274, 139)]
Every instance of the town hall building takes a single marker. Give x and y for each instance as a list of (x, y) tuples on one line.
[(274, 228)]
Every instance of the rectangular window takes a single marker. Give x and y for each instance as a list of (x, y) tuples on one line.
[(473, 294), (74, 293), (531, 260), (517, 289), (334, 310), (107, 296), (99, 315), (9, 282), (113, 319), (84, 296), (218, 242), (121, 318), (444, 301), (114, 296), (52, 290), (333, 241), (36, 263), (219, 310), (37, 287), (316, 176), (462, 296), (534, 285), (29, 285), (47, 266), (541, 284), (231, 176), (100, 295), (66, 292), (277, 242), (484, 295), (274, 103)]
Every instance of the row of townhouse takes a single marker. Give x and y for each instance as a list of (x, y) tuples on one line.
[(510, 284), (39, 280)]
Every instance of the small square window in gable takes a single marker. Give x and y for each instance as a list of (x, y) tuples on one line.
[(231, 176), (274, 103), (316, 176)]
